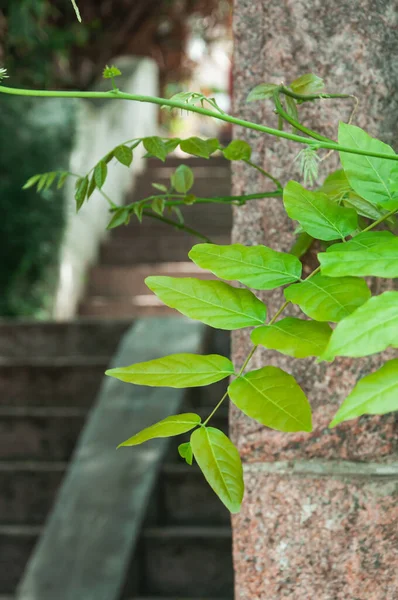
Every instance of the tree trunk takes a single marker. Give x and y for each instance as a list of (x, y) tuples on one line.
[(318, 516)]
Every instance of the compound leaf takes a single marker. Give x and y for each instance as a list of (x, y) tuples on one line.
[(213, 302), (375, 394), (258, 267), (318, 214), (220, 463), (328, 299), (169, 427), (176, 371), (372, 328), (372, 178), (273, 398), (294, 337), (374, 253)]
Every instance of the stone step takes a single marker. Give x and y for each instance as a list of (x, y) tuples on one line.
[(173, 247), (186, 497), (45, 382), (16, 545), (179, 561), (39, 433), (125, 307), (28, 490), (130, 281), (84, 337)]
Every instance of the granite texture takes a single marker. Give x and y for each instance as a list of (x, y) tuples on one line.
[(353, 46)]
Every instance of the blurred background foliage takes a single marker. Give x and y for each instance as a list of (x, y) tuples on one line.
[(43, 46)]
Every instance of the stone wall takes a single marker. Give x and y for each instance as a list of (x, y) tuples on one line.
[(319, 516)]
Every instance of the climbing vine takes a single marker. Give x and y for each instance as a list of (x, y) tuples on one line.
[(340, 317)]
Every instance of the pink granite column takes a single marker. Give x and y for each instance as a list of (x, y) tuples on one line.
[(320, 516)]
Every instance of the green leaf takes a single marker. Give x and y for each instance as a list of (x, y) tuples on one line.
[(237, 150), (198, 147), (81, 191), (138, 209), (158, 205), (328, 299), (258, 267), (182, 179), (220, 463), (169, 427), (273, 398), (160, 187), (100, 174), (372, 328), (42, 182), (189, 199), (120, 217), (294, 337), (363, 207), (264, 91), (375, 394), (336, 185), (307, 85), (50, 179), (302, 244), (317, 214), (372, 178), (213, 302), (32, 181), (185, 451), (156, 147), (374, 253), (171, 144), (124, 155), (176, 371), (92, 186), (63, 176)]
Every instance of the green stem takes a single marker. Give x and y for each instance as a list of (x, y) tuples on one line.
[(226, 199), (280, 110), (203, 111), (265, 173), (303, 98), (179, 226)]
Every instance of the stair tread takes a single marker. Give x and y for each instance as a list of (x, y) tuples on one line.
[(183, 531)]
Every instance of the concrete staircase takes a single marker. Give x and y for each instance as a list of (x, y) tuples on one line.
[(49, 377)]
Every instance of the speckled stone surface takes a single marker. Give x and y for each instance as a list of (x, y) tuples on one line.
[(353, 45)]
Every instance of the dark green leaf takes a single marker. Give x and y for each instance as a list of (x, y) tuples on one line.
[(198, 147), (169, 427), (317, 214), (91, 188), (220, 463), (258, 267), (120, 217), (81, 191), (273, 398), (302, 244), (375, 394), (336, 185), (294, 337), (237, 150), (156, 147), (213, 302), (328, 298)]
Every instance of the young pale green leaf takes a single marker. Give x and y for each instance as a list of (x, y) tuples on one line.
[(307, 85), (158, 205), (182, 179), (372, 178), (375, 394), (185, 451), (328, 299), (156, 147), (372, 328), (169, 427), (120, 217), (220, 463), (273, 398), (198, 147), (160, 187), (294, 337), (213, 302), (374, 253), (100, 174), (264, 91), (176, 371), (32, 181), (124, 155), (258, 267), (237, 150), (317, 214), (80, 192), (111, 72)]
